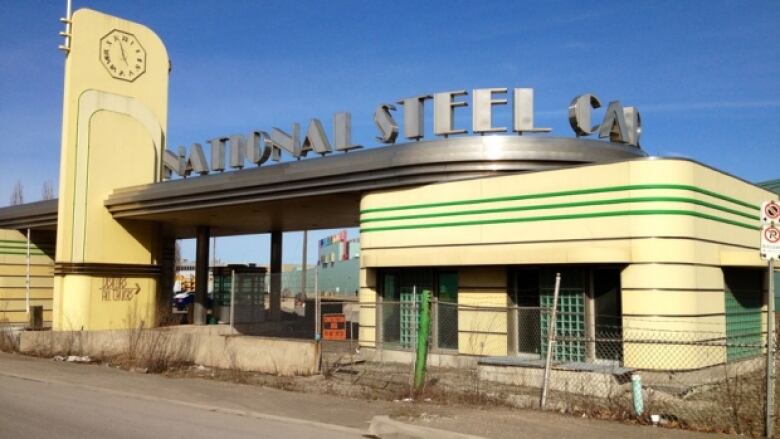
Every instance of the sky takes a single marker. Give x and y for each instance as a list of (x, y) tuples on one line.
[(705, 75)]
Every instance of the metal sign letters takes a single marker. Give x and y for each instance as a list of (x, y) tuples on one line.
[(620, 124)]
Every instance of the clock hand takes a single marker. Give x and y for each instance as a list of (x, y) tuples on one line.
[(124, 56)]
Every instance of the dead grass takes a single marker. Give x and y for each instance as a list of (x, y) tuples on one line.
[(154, 350), (9, 340)]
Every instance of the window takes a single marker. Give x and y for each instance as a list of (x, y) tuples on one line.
[(744, 296), (582, 334), (400, 287)]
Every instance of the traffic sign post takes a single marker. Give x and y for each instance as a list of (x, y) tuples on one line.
[(770, 251), (770, 355)]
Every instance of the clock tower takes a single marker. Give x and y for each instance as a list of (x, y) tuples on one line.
[(113, 135)]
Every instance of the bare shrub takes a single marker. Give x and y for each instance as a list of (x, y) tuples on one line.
[(161, 350), (154, 350), (9, 340)]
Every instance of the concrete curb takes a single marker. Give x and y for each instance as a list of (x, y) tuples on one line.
[(385, 428)]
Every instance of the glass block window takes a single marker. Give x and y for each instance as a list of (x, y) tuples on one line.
[(744, 299), (569, 324), (570, 319)]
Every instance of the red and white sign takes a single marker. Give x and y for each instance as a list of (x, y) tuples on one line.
[(770, 242), (770, 212), (770, 230)]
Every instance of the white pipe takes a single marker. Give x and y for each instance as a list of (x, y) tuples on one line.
[(550, 340), (27, 277), (67, 20)]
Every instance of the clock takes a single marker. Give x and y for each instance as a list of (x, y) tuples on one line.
[(122, 55)]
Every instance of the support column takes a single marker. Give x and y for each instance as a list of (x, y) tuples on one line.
[(201, 275), (167, 277), (276, 276), (303, 262), (590, 319)]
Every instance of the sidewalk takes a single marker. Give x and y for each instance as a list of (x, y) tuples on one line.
[(314, 409)]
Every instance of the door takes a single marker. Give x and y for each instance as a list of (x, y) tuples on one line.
[(744, 296), (447, 312), (609, 316), (525, 297), (390, 308)]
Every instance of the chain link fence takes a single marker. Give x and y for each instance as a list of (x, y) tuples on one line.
[(693, 373), (674, 372), (286, 305)]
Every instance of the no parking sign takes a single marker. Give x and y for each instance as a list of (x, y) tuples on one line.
[(770, 230)]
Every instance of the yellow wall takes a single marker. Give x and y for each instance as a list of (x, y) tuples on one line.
[(677, 303), (368, 307), (113, 136), (482, 323), (13, 275), (582, 233), (672, 223)]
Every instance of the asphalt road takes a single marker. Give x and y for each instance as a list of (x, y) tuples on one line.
[(38, 409), (41, 398)]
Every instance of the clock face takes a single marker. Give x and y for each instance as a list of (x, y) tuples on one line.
[(122, 55)]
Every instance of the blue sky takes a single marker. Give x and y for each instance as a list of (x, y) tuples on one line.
[(704, 74)]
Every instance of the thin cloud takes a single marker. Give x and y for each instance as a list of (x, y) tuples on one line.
[(539, 24), (715, 105)]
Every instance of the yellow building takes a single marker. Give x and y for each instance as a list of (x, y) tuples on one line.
[(26, 275), (646, 248)]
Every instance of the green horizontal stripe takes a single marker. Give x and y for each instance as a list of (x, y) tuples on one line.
[(40, 249), (566, 193), (24, 244), (565, 205), (562, 217), (32, 253), (3, 247)]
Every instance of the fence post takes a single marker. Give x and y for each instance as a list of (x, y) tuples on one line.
[(317, 307), (27, 277), (550, 340), (414, 329), (422, 341), (232, 300), (770, 352)]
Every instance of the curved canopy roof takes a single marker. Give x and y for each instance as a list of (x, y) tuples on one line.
[(325, 192)]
